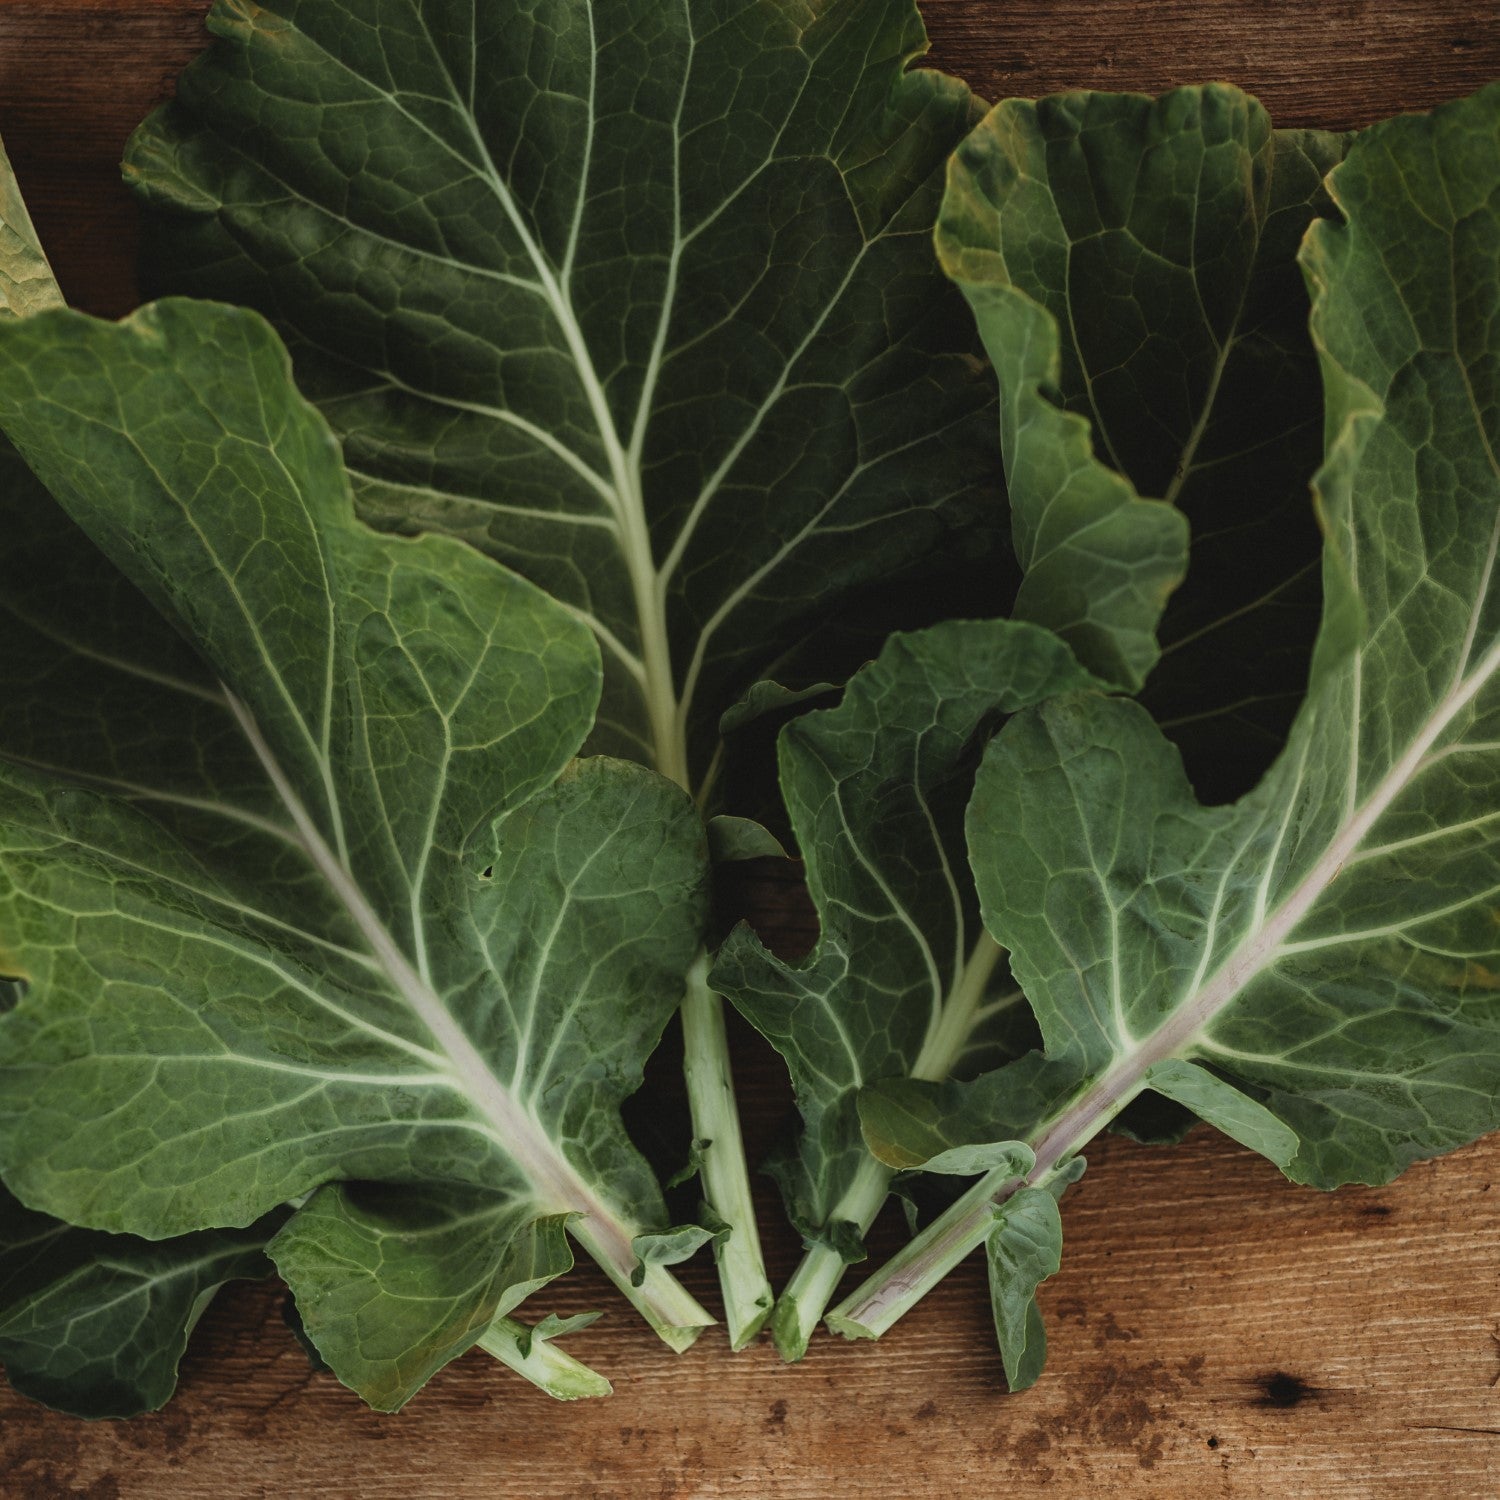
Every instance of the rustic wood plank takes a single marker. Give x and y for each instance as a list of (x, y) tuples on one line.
[(1215, 1331), (1334, 63), (76, 77)]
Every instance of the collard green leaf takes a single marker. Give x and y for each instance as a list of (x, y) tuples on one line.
[(1023, 1250), (903, 980), (637, 296), (90, 1323), (475, 953), (1313, 967), (731, 840), (771, 698), (393, 1282), (99, 688), (95, 1324), (1131, 265), (1014, 1157), (1223, 1106)]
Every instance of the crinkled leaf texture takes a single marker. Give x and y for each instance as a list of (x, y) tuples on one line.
[(1131, 263), (638, 296), (319, 897), (1313, 968)]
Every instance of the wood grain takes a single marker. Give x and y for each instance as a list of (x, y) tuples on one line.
[(1333, 63), (1215, 1331)]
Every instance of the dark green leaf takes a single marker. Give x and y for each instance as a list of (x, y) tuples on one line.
[(470, 957), (1313, 968), (903, 980), (392, 1283), (1131, 263), (639, 297), (95, 1324), (733, 839)]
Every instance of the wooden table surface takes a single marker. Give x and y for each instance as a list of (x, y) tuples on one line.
[(1214, 1330)]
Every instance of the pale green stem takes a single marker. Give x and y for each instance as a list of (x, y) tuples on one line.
[(724, 1173), (723, 1170), (800, 1306), (676, 1315), (543, 1363), (909, 1275), (954, 1023)]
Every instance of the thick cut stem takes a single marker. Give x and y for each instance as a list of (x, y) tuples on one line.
[(909, 1275), (543, 1363), (724, 1173), (661, 1299), (800, 1307)]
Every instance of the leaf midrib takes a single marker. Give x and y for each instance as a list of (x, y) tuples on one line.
[(556, 1183), (1264, 944), (652, 668)]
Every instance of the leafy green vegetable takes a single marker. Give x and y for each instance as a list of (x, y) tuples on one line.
[(1024, 1249), (92, 1323), (1311, 969), (96, 1323), (327, 902), (731, 839), (393, 1282), (904, 980), (639, 298), (89, 1322), (400, 1241), (1131, 265), (1194, 205), (319, 948)]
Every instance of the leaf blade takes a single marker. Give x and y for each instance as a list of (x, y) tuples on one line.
[(406, 725), (1131, 265), (1325, 944), (95, 1324), (635, 462), (1023, 1250)]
